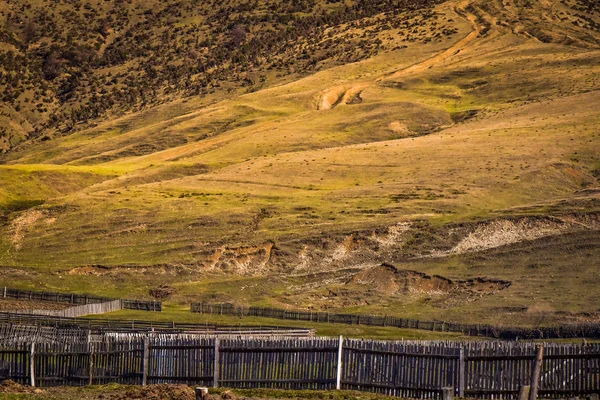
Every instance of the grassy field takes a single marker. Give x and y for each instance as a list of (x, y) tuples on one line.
[(475, 156), (183, 314)]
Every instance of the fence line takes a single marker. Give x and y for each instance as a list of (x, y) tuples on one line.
[(77, 311), (98, 325), (396, 368), (78, 299), (27, 333), (10, 334), (590, 330)]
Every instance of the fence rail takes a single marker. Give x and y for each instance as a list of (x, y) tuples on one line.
[(76, 311), (77, 299), (407, 368), (101, 325), (589, 330)]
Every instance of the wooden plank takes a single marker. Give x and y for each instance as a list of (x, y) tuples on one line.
[(416, 355), (216, 365), (480, 392), (384, 386), (278, 350), (85, 353), (91, 365), (146, 356), (369, 365), (585, 356), (524, 392), (181, 378), (32, 365), (338, 384), (535, 378), (180, 347), (499, 357), (280, 381)]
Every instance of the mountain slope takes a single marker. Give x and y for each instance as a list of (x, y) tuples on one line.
[(464, 153), (65, 65)]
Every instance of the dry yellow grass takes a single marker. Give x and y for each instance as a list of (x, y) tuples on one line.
[(491, 124)]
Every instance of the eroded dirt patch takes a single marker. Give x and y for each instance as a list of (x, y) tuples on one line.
[(12, 387), (384, 283), (420, 240), (168, 392), (340, 95), (502, 232), (243, 260), (109, 392), (156, 392), (22, 224), (124, 270), (392, 281)]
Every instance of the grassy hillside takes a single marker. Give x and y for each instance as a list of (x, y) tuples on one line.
[(465, 145), (66, 65)]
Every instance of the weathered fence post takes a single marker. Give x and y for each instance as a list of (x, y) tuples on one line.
[(216, 364), (535, 377), (201, 393), (4, 291), (338, 384), (145, 361), (448, 393), (461, 372), (32, 364), (91, 361), (524, 392)]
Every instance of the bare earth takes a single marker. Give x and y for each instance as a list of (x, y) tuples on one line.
[(12, 390)]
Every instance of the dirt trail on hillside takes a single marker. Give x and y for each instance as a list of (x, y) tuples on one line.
[(460, 9), (546, 22), (484, 25), (345, 94)]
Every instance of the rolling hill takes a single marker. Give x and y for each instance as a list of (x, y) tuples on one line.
[(279, 153)]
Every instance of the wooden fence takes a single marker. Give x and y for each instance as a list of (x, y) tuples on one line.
[(589, 330), (28, 333), (79, 299), (77, 311), (407, 369), (101, 325)]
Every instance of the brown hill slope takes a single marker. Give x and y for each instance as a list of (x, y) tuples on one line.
[(467, 155), (65, 65)]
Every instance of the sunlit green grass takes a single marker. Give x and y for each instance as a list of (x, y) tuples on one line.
[(183, 314)]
